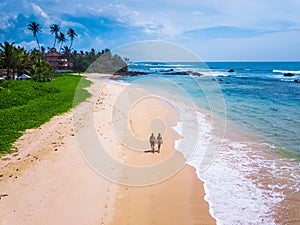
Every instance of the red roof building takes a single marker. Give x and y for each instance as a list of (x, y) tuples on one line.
[(57, 60)]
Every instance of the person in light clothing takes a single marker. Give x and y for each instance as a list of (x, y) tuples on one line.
[(152, 142), (159, 141)]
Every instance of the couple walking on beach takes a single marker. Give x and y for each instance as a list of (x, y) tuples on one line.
[(154, 140)]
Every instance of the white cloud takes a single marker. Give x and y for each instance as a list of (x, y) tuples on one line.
[(65, 23), (155, 24), (5, 22), (161, 19), (37, 9), (27, 45)]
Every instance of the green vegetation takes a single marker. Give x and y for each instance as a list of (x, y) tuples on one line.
[(27, 104), (35, 28), (18, 60), (108, 63)]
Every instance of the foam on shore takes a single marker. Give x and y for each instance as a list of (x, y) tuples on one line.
[(245, 184)]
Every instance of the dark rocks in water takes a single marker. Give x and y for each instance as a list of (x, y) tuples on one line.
[(197, 74), (231, 71), (163, 72), (178, 73), (288, 74), (184, 73), (297, 81), (221, 80), (166, 71), (130, 73)]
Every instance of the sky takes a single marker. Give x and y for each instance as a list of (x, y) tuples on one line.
[(214, 30)]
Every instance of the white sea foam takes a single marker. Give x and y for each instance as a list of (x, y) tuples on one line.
[(214, 74), (235, 198), (287, 71), (237, 183), (194, 129)]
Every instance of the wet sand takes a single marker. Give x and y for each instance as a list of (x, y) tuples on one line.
[(49, 182)]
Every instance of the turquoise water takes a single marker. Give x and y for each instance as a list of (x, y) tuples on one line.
[(245, 180), (258, 97)]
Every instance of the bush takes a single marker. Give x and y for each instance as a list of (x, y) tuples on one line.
[(28, 104)]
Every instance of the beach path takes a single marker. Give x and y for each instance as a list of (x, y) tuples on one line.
[(49, 182)]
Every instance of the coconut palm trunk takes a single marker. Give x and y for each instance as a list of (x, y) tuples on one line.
[(35, 28), (61, 39), (72, 34), (54, 29)]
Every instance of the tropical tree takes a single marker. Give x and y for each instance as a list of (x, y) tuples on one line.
[(67, 53), (54, 29), (41, 71), (23, 60), (92, 55), (9, 57), (61, 39), (35, 28), (71, 33)]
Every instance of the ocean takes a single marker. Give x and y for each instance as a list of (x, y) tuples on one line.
[(240, 131)]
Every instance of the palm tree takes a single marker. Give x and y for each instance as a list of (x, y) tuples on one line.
[(67, 53), (71, 33), (54, 29), (61, 39), (10, 56), (35, 28), (24, 61)]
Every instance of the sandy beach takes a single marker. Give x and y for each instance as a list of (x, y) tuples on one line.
[(52, 180)]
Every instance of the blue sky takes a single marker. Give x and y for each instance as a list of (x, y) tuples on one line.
[(232, 30)]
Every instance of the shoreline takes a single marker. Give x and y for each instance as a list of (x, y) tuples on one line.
[(256, 178), (45, 177)]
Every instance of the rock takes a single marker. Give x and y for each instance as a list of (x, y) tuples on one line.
[(221, 80), (288, 74), (130, 73), (178, 73), (197, 74), (231, 71), (297, 81)]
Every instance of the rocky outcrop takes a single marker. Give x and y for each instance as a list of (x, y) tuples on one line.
[(288, 75), (130, 73), (231, 71), (108, 63)]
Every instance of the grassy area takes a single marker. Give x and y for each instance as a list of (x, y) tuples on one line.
[(27, 104)]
